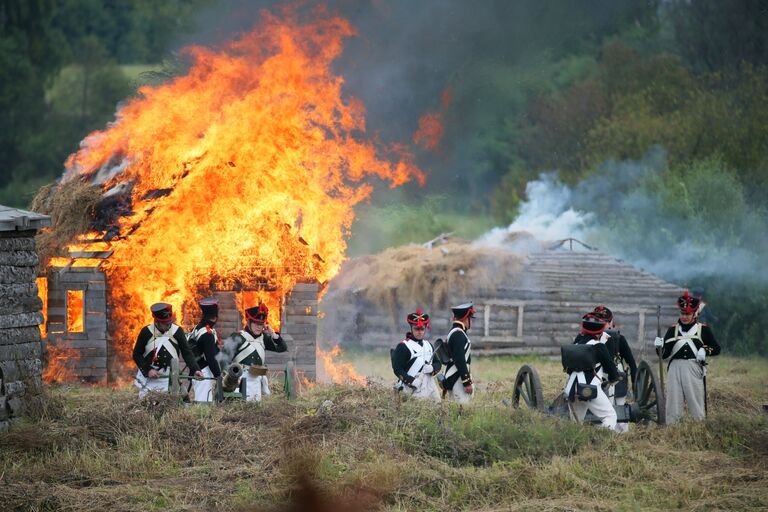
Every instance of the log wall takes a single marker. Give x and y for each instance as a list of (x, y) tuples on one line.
[(20, 317)]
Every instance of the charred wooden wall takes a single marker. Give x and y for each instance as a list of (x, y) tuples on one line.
[(20, 317), (89, 346), (299, 329)]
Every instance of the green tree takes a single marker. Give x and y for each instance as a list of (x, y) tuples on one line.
[(714, 35)]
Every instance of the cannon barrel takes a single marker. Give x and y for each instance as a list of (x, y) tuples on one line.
[(232, 375)]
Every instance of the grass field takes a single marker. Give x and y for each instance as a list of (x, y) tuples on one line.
[(98, 449)]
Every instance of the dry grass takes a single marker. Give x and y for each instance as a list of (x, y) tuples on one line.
[(369, 451), (71, 206)]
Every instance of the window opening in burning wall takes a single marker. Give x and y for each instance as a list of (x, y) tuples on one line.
[(42, 292), (75, 310)]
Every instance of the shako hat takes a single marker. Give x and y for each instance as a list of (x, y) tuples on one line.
[(209, 306), (162, 312), (463, 311), (418, 319), (592, 324), (688, 303), (604, 313), (257, 314)]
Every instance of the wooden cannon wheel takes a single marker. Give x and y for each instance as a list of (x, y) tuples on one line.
[(528, 388), (650, 404)]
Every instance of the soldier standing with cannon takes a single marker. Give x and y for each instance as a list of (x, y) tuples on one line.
[(623, 358), (687, 344), (157, 345), (249, 346), (583, 389)]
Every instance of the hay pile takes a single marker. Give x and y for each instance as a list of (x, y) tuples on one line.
[(430, 273), (72, 206)]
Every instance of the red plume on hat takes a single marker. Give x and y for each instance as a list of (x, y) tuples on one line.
[(418, 319), (592, 324), (688, 303), (258, 313), (604, 313)]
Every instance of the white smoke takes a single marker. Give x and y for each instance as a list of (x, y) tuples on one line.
[(547, 215)]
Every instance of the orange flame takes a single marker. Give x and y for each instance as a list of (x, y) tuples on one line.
[(337, 372), (242, 173), (75, 311), (430, 131), (58, 364), (42, 292)]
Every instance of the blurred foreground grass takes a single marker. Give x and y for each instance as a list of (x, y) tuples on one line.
[(97, 449)]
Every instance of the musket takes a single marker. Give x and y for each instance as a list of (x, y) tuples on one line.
[(660, 349), (704, 378)]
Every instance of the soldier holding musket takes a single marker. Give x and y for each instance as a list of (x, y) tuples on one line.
[(686, 345)]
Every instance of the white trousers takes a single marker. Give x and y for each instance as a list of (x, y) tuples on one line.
[(600, 406), (685, 384), (146, 385), (459, 395), (425, 388), (256, 386), (204, 388)]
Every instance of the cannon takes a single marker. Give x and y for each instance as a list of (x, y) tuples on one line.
[(229, 385), (648, 406)]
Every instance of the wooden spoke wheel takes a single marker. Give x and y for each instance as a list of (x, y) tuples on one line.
[(528, 388), (650, 405)]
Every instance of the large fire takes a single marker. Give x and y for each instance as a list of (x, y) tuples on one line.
[(241, 174)]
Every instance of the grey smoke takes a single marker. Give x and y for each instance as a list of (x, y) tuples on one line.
[(617, 211), (408, 52)]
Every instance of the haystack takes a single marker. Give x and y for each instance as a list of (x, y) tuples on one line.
[(419, 275)]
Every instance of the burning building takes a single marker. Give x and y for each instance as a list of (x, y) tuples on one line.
[(236, 179), (79, 308), (20, 348)]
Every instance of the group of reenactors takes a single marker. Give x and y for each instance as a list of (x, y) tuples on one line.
[(417, 363), (204, 353), (604, 384)]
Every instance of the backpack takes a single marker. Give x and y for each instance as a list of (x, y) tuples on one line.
[(443, 351)]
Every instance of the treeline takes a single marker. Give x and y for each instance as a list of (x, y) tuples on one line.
[(62, 74), (694, 83)]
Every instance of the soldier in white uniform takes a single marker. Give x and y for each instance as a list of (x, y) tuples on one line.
[(414, 361), (157, 345), (204, 343), (583, 388), (622, 356), (248, 348), (687, 344), (458, 379)]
